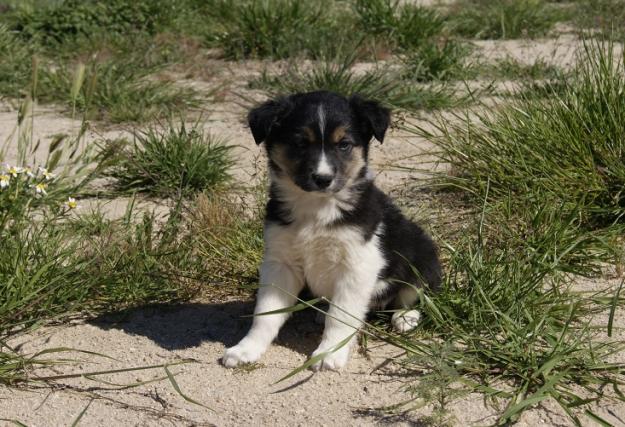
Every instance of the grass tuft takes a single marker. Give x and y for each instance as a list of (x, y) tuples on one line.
[(268, 28), (383, 84), (171, 159), (566, 148), (605, 15), (503, 19)]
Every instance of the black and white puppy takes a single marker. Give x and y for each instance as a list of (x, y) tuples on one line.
[(329, 227)]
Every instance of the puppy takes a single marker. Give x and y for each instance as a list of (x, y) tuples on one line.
[(329, 227)]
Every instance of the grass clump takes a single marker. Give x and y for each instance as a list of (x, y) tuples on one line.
[(512, 321), (385, 85), (269, 28), (566, 148), (605, 15), (15, 67), (503, 19), (418, 34), (172, 160), (53, 23), (510, 69), (229, 231), (509, 326), (405, 26), (116, 91)]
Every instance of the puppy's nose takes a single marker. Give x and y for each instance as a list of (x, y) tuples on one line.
[(322, 181)]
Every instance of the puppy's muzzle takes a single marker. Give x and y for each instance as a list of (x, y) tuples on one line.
[(322, 181)]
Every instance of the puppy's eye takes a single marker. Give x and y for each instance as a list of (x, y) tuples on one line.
[(344, 146)]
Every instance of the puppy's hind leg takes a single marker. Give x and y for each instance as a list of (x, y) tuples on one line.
[(405, 319), (279, 288)]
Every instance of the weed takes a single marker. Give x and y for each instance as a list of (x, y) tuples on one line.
[(436, 61), (514, 330), (606, 15), (15, 67), (117, 91), (407, 26), (503, 19), (266, 28), (385, 85), (511, 69), (172, 159), (230, 237), (53, 24), (566, 148)]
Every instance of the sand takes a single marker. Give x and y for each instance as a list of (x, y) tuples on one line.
[(201, 329)]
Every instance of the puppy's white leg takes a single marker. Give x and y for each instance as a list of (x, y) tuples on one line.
[(406, 319), (346, 314), (278, 285)]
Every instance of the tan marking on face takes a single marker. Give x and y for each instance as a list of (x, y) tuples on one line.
[(310, 135), (338, 134), (355, 163), (278, 156)]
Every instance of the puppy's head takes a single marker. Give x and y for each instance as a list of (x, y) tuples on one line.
[(318, 140)]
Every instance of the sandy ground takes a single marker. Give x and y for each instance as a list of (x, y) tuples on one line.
[(200, 330)]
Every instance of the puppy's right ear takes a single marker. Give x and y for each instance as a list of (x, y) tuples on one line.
[(267, 116)]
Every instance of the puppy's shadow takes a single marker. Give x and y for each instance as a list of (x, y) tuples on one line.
[(189, 325)]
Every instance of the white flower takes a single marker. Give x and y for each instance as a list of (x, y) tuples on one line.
[(4, 181), (15, 171), (71, 203), (47, 175), (41, 188), (28, 171)]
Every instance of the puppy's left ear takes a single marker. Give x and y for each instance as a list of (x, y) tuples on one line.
[(266, 116), (374, 117)]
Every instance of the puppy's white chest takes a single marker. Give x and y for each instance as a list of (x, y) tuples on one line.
[(326, 257)]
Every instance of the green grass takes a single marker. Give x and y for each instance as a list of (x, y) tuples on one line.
[(121, 81), (511, 69), (605, 15), (405, 26), (546, 175), (117, 92), (503, 19), (382, 84), (509, 326), (171, 160), (443, 60), (229, 232), (54, 23), (567, 147), (16, 63), (277, 28)]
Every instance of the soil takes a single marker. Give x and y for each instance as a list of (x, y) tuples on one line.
[(200, 330)]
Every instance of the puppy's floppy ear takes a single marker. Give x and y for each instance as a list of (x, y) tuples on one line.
[(374, 117), (267, 115)]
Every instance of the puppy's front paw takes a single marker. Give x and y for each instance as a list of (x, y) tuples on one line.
[(334, 361), (405, 320), (240, 354)]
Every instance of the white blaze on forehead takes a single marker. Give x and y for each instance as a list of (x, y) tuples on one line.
[(323, 167), (322, 120)]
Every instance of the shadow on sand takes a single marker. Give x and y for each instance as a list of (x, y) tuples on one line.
[(188, 325)]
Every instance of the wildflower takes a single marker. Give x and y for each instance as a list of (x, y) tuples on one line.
[(4, 181), (71, 203), (41, 188), (47, 175), (28, 171), (15, 171)]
